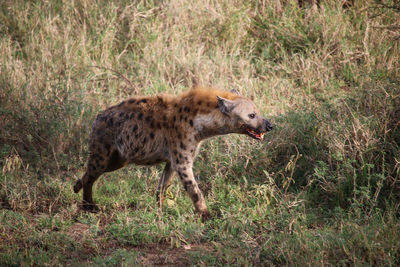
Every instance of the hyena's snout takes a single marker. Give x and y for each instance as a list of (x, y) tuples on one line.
[(268, 126), (259, 131)]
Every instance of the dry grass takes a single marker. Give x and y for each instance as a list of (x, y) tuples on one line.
[(322, 190)]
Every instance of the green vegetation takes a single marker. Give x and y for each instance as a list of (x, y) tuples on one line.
[(323, 189)]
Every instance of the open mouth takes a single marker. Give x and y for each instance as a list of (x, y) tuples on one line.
[(255, 134)]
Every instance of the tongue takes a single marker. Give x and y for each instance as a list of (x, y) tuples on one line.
[(259, 136)]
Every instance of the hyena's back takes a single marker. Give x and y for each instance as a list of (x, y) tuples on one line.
[(131, 132)]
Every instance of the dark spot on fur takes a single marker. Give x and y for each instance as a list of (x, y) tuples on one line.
[(199, 103), (180, 117), (191, 123), (152, 135), (131, 101), (191, 150), (175, 152), (142, 101), (186, 184), (144, 140), (180, 110), (158, 126), (131, 116), (177, 161), (140, 116), (152, 124), (174, 119), (161, 101), (110, 122), (148, 118), (208, 104), (179, 136), (195, 198), (165, 117), (187, 109), (91, 167), (127, 136), (136, 150), (121, 114), (135, 128), (183, 146), (186, 158), (107, 146), (180, 155)]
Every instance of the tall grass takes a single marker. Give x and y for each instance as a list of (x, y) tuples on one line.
[(323, 189)]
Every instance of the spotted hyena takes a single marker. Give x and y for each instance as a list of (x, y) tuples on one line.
[(163, 128)]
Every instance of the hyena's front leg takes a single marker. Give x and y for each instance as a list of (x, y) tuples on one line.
[(185, 172), (165, 182)]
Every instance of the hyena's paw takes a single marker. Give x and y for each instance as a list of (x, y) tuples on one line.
[(89, 207), (78, 186), (205, 216)]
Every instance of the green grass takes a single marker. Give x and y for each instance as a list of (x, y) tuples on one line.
[(323, 189)]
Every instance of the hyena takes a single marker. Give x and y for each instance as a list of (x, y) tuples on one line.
[(149, 130)]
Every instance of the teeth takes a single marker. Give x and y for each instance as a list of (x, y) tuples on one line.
[(259, 136)]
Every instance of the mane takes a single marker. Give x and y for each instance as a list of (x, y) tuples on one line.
[(207, 95)]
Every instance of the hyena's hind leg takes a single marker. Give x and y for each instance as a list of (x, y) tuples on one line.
[(97, 165), (93, 172), (165, 181)]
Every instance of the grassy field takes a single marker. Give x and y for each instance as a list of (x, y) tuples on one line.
[(323, 189)]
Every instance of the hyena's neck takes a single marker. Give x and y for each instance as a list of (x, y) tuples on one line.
[(211, 124), (202, 104)]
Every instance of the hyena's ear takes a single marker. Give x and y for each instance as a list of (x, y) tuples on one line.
[(225, 105)]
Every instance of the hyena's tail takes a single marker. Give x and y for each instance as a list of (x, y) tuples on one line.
[(78, 185)]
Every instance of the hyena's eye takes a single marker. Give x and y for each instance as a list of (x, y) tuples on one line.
[(252, 115)]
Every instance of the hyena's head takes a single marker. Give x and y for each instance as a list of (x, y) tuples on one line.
[(244, 117)]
